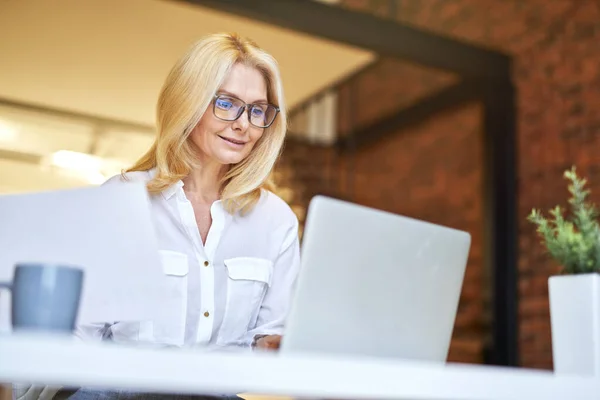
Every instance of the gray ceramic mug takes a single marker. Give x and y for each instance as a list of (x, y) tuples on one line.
[(45, 297)]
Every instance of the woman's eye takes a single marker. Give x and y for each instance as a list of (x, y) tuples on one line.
[(257, 112), (224, 104)]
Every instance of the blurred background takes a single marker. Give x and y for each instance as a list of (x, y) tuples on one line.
[(458, 112), (79, 80)]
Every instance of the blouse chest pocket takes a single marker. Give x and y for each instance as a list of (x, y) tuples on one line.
[(247, 282), (168, 326)]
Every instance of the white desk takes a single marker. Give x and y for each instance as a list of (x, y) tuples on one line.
[(66, 362)]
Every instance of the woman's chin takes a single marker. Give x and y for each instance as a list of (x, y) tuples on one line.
[(228, 157)]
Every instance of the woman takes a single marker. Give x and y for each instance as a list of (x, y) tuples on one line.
[(229, 247)]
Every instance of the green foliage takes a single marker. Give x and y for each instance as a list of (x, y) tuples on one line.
[(573, 241)]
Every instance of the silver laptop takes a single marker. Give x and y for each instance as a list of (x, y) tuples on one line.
[(107, 231), (375, 284)]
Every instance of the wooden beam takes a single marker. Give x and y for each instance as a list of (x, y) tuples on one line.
[(452, 96), (383, 36), (501, 198), (77, 116)]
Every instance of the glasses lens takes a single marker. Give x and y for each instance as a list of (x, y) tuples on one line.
[(262, 115), (227, 108)]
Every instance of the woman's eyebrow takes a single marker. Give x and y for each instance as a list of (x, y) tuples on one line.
[(228, 93)]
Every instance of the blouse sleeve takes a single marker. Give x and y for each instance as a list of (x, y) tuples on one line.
[(276, 304)]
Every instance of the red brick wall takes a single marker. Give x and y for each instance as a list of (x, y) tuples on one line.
[(556, 48), (305, 171)]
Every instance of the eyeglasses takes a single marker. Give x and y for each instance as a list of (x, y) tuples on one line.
[(229, 108)]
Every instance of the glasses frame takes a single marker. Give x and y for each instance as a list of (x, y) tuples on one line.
[(244, 108)]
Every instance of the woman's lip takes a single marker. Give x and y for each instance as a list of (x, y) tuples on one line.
[(234, 141)]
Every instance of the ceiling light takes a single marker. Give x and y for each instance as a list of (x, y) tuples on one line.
[(8, 132), (93, 169), (75, 160)]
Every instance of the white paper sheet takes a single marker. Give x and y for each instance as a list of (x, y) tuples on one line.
[(108, 231)]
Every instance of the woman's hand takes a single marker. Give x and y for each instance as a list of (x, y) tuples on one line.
[(269, 342)]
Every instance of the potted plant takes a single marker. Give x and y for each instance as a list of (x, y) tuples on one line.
[(573, 239)]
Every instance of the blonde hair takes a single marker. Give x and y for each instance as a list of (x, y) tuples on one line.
[(186, 95)]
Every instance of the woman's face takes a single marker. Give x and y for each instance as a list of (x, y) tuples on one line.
[(229, 142)]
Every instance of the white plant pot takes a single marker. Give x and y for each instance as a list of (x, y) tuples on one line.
[(575, 323)]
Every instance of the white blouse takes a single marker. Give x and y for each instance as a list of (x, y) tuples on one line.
[(237, 285)]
